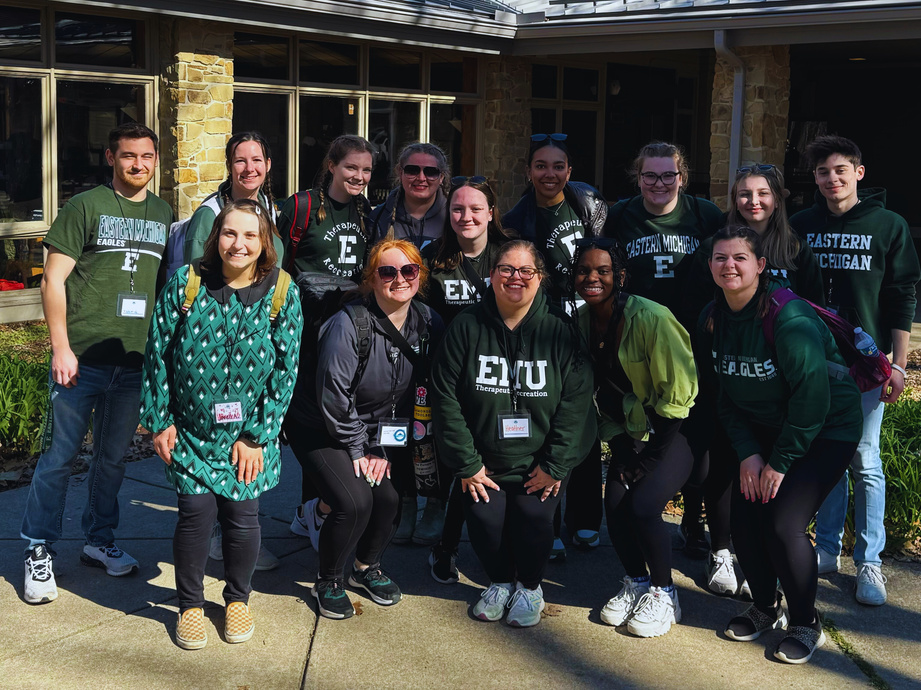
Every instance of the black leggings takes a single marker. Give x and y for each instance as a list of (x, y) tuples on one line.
[(635, 523), (584, 507), (512, 535), (770, 538), (240, 527), (724, 467), (362, 519)]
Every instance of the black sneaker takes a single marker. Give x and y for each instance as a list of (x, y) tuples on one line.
[(332, 599), (443, 562), (695, 544), (379, 587), (753, 622), (800, 643)]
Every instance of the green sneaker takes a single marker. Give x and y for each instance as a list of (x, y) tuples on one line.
[(379, 587), (332, 599)]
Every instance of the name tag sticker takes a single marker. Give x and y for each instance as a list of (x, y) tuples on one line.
[(515, 425), (393, 432), (132, 305), (227, 412)]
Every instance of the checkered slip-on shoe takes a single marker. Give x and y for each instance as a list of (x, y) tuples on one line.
[(190, 630), (238, 623)]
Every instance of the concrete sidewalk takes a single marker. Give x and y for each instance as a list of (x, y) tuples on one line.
[(106, 632)]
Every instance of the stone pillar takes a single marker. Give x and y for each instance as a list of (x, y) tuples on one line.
[(508, 126), (764, 115), (196, 99)]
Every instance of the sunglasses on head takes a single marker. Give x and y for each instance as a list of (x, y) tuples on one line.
[(462, 180), (755, 169), (408, 271), (599, 242), (430, 171), (557, 136)]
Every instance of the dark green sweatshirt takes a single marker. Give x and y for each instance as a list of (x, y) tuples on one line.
[(869, 264), (787, 388), (471, 377), (659, 248), (337, 245), (450, 292)]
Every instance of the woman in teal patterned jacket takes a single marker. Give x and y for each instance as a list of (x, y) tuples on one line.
[(218, 376)]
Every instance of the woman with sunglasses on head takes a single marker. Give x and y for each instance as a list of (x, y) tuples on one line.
[(459, 265), (415, 210), (645, 385), (510, 387), (757, 200), (350, 429), (554, 213), (660, 229), (794, 427), (221, 446)]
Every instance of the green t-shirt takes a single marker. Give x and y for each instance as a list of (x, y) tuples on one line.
[(111, 239), (557, 232)]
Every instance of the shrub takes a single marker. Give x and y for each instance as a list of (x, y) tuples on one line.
[(900, 447), (23, 395)]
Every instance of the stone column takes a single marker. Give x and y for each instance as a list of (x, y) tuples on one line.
[(508, 126), (196, 99), (764, 116)]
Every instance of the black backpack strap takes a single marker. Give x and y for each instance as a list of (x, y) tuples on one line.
[(474, 277), (302, 203), (361, 319)]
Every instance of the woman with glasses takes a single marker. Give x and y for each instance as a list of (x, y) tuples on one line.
[(350, 432), (511, 386), (661, 229), (554, 213), (757, 200), (459, 265), (415, 209), (645, 384)]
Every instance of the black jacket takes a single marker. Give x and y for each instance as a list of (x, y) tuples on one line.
[(585, 200), (419, 231)]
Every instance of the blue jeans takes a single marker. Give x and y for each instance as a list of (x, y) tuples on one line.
[(869, 494), (112, 396)]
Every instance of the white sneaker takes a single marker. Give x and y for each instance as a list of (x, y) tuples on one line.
[(525, 606), (620, 608), (721, 573), (115, 561), (307, 523), (828, 562), (654, 613), (871, 585), (492, 601), (745, 591), (40, 586)]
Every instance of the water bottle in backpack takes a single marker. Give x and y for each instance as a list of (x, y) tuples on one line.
[(864, 343)]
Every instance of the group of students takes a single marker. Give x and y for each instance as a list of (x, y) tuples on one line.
[(520, 346)]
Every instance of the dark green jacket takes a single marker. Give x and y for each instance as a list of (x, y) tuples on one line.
[(786, 388), (470, 382), (869, 264)]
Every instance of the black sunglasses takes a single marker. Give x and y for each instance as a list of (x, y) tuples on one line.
[(600, 242), (430, 171), (755, 169), (462, 179), (408, 271), (557, 136)]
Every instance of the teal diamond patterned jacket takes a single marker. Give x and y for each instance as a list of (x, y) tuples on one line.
[(222, 345)]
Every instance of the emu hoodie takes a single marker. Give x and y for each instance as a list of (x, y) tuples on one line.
[(471, 378), (869, 264)]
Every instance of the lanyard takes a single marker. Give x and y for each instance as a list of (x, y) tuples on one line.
[(136, 252), (513, 371)]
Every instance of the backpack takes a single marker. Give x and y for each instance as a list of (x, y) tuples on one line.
[(175, 242), (278, 297), (868, 372), (302, 203)]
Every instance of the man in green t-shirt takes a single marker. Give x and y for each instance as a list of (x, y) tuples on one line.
[(98, 291)]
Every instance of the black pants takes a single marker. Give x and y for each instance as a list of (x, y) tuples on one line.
[(640, 536), (770, 538), (240, 526), (697, 430), (454, 518), (724, 468), (583, 505), (512, 535), (362, 519)]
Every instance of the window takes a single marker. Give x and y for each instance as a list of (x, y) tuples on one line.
[(22, 261), (580, 84), (83, 39), (391, 126), (452, 126), (453, 72), (329, 63), (399, 69), (20, 34), (322, 119), (267, 113), (20, 150), (543, 81), (261, 57)]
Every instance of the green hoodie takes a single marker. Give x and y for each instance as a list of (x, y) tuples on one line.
[(449, 292), (470, 382), (787, 388), (869, 264)]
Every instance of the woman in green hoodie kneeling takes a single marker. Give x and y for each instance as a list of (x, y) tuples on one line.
[(512, 410)]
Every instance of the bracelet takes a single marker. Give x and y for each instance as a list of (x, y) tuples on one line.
[(898, 368)]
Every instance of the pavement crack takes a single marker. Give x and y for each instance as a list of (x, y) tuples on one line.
[(876, 680)]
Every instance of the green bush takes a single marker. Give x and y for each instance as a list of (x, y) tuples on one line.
[(23, 394), (900, 447)]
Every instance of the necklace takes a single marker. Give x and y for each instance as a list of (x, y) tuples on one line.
[(556, 211)]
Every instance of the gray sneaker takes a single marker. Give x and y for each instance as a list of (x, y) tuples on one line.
[(115, 561), (828, 562), (871, 585)]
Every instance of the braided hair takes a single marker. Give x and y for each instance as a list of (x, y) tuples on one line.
[(227, 186), (341, 147), (753, 239)]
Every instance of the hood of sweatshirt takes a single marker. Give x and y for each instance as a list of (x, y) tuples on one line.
[(870, 199)]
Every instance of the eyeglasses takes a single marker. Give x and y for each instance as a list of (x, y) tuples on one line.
[(600, 242), (557, 136), (430, 171), (507, 271), (755, 169), (667, 178), (462, 180), (389, 273)]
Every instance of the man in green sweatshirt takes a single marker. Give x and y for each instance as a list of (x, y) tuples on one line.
[(869, 269)]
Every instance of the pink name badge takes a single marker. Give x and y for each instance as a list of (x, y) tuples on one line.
[(227, 412)]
